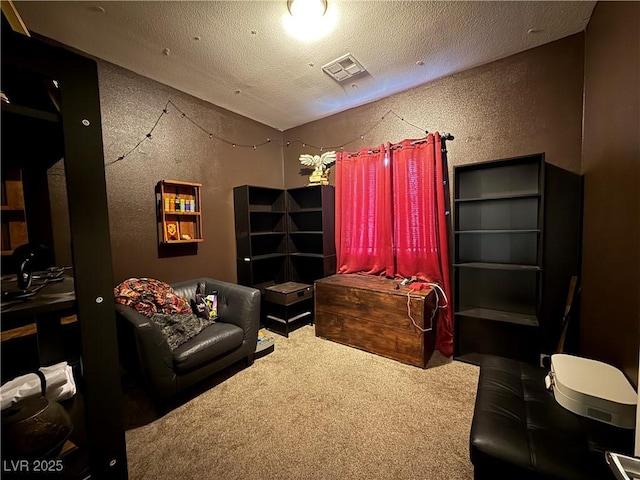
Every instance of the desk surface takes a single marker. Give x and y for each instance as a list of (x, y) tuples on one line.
[(53, 297)]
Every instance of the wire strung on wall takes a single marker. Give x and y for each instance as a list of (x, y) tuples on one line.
[(255, 146), (165, 111), (359, 137), (445, 136)]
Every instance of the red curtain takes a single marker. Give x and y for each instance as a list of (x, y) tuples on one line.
[(420, 227), (363, 212), (391, 218)]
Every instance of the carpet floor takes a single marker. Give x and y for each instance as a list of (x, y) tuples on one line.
[(315, 409)]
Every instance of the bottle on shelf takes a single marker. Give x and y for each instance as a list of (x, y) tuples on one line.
[(176, 203), (167, 208)]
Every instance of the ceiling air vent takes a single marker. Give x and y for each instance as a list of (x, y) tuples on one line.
[(343, 68)]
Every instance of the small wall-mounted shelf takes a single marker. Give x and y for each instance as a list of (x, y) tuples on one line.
[(179, 212)]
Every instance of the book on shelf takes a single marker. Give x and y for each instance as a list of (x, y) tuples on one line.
[(172, 230)]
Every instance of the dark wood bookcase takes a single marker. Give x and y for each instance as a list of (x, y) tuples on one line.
[(517, 225), (310, 233), (261, 236), (283, 235)]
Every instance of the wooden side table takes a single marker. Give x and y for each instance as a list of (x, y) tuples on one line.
[(286, 303)]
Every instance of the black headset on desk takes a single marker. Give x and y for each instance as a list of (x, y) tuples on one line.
[(30, 257), (24, 274)]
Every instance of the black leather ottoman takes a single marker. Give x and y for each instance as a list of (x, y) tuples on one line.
[(519, 431)]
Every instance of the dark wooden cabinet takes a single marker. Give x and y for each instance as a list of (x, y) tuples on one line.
[(55, 114), (516, 233), (284, 235)]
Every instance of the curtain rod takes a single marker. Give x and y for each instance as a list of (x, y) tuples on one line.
[(444, 136)]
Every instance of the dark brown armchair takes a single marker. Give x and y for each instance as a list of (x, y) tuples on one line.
[(231, 338)]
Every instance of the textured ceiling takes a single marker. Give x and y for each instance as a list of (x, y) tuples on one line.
[(237, 54)]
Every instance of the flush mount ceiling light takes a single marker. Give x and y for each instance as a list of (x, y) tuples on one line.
[(307, 8), (310, 20)]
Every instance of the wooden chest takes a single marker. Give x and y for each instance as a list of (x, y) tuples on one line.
[(371, 314)]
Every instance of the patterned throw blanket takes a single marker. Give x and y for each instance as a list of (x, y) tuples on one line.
[(170, 312), (149, 296)]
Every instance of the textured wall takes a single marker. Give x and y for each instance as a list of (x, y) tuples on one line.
[(178, 151), (59, 214), (515, 106), (526, 103), (611, 167)]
